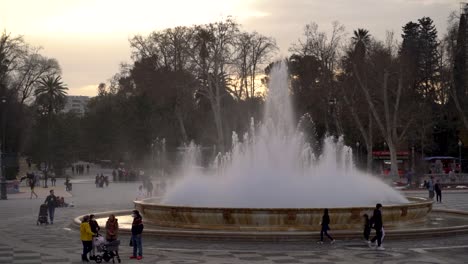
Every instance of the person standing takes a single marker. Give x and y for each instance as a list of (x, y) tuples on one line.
[(377, 223), (94, 224), (114, 176), (149, 188), (87, 169), (95, 229), (51, 202), (53, 180), (325, 227), (430, 187), (112, 228), (140, 193), (137, 230), (438, 191), (86, 236)]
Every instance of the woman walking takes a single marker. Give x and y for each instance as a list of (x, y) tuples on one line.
[(32, 185), (325, 227), (86, 238)]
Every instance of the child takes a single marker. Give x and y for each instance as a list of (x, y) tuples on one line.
[(140, 194), (367, 228)]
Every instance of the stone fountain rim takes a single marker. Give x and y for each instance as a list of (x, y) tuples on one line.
[(288, 235), (414, 202)]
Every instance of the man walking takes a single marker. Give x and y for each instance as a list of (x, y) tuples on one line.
[(376, 222), (51, 202)]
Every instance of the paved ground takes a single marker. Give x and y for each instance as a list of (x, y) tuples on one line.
[(25, 242)]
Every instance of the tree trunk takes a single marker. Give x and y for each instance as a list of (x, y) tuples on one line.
[(369, 158), (393, 160), (219, 125), (181, 124), (369, 144)]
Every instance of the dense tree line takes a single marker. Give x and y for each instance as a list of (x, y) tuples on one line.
[(203, 82)]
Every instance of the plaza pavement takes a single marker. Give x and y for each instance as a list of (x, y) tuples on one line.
[(22, 241)]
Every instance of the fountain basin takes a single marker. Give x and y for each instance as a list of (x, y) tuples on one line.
[(278, 219)]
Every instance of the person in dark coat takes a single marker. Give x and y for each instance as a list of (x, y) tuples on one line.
[(325, 227), (137, 230), (95, 229), (51, 202), (377, 224)]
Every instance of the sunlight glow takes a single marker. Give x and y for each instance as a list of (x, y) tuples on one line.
[(91, 17)]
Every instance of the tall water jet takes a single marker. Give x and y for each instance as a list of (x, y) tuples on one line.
[(274, 166)]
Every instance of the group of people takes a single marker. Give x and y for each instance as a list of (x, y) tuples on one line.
[(80, 169), (433, 188), (375, 222), (100, 180), (89, 232), (145, 190), (122, 174)]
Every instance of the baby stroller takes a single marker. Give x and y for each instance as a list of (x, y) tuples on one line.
[(108, 250), (42, 218)]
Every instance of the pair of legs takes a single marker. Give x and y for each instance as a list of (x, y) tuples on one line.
[(326, 233), (33, 192), (366, 233), (51, 213), (87, 247), (137, 246), (378, 237), (439, 196)]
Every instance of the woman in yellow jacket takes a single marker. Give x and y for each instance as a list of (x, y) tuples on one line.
[(86, 237)]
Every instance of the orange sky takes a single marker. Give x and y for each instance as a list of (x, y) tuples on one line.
[(89, 38)]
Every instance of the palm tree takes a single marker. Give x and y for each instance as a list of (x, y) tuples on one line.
[(51, 93), (50, 96), (361, 40)]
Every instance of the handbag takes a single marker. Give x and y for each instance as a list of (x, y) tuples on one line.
[(131, 243)]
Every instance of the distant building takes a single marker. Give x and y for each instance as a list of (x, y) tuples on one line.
[(76, 104)]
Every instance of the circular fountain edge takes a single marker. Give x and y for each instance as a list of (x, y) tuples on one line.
[(277, 219), (289, 235)]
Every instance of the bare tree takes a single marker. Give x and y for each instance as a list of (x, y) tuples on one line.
[(388, 96), (253, 51), (30, 70), (211, 55), (325, 49)]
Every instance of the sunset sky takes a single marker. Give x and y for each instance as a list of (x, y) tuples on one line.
[(89, 38)]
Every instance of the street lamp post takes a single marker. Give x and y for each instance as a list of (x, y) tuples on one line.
[(358, 152), (459, 155), (153, 145), (3, 183), (45, 166)]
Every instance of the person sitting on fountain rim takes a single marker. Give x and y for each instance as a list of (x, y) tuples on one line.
[(325, 227), (377, 224)]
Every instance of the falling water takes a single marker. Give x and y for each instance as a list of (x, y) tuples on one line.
[(275, 166)]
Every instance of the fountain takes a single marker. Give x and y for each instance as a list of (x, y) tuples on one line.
[(274, 179)]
